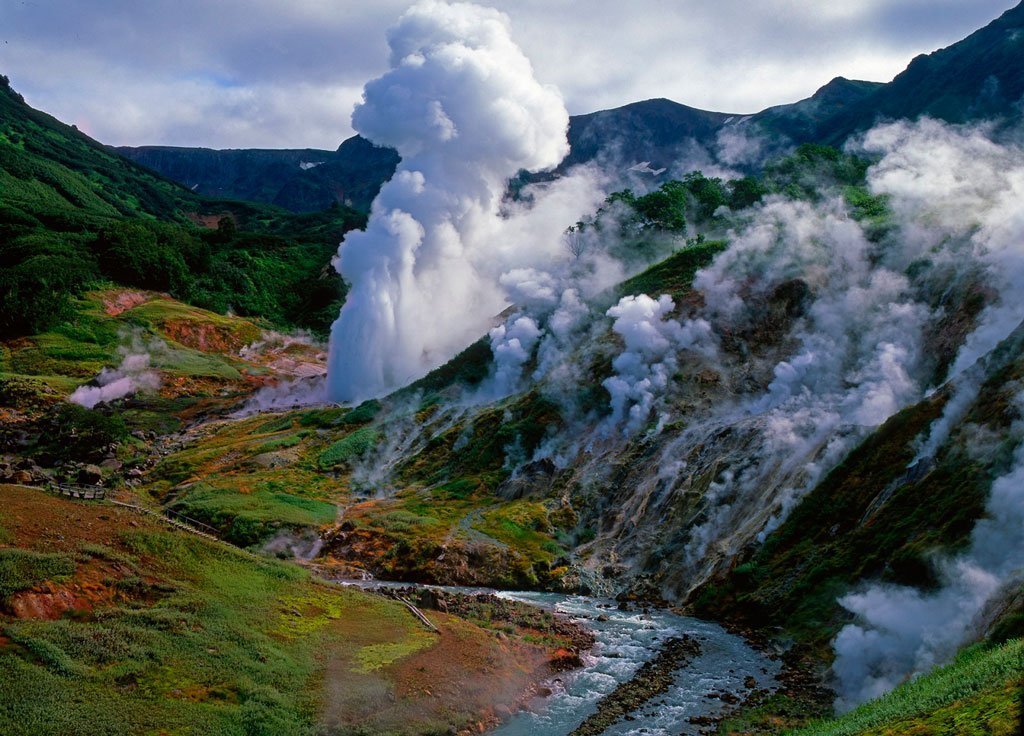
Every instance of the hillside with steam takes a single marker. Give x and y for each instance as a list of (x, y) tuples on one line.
[(777, 384)]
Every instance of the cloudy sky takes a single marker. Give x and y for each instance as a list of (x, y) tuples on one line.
[(286, 73)]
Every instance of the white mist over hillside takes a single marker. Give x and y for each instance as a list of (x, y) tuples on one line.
[(971, 191), (463, 109), (134, 373)]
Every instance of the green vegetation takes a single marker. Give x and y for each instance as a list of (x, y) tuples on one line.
[(349, 448), (674, 275), (75, 216), (249, 518), (20, 569), (202, 640), (80, 433), (978, 693)]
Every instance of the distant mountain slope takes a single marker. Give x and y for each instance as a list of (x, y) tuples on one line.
[(800, 121), (301, 180), (979, 77), (75, 215), (651, 130), (48, 169)]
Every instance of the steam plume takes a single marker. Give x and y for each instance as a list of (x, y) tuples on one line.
[(645, 368), (902, 631), (131, 376), (462, 107), (967, 192)]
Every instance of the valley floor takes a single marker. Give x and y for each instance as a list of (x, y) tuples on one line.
[(113, 623)]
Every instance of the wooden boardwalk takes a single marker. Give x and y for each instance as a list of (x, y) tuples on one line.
[(79, 492), (177, 520)]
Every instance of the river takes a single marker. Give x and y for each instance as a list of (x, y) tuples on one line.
[(624, 640)]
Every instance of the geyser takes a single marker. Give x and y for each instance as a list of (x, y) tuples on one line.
[(462, 107)]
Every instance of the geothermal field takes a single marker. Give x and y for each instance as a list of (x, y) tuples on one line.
[(508, 416)]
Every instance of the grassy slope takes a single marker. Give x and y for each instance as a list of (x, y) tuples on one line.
[(979, 693), (53, 172), (128, 627), (195, 351)]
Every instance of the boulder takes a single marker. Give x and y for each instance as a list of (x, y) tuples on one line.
[(21, 477), (90, 475)]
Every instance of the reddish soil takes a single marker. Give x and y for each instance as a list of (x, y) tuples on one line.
[(116, 302), (204, 337), (468, 677), (46, 523), (485, 675), (210, 222)]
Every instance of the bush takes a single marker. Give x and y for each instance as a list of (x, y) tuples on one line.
[(36, 293), (79, 433), (131, 252)]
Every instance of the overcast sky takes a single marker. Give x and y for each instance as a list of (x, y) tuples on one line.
[(286, 73)]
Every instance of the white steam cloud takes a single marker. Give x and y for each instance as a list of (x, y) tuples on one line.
[(512, 346), (645, 368), (856, 362), (464, 111), (130, 377), (961, 197), (903, 632)]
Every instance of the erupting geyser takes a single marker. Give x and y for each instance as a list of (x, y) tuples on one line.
[(462, 107)]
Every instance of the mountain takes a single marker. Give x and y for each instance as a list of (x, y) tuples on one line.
[(799, 121), (50, 170), (979, 77), (300, 180), (652, 130), (799, 415), (74, 215)]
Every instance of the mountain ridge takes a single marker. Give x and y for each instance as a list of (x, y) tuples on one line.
[(980, 76)]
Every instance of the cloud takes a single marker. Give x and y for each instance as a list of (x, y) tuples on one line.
[(464, 110), (264, 73)]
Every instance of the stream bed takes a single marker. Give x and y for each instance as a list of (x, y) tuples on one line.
[(624, 641), (725, 671)]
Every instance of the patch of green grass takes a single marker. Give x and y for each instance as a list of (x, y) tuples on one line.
[(350, 447), (233, 648), (402, 521), (998, 671), (524, 526), (249, 518), (674, 275), (457, 490), (375, 656), (363, 413), (20, 569), (772, 715), (276, 425), (281, 443)]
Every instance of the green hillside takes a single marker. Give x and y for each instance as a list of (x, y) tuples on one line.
[(75, 215)]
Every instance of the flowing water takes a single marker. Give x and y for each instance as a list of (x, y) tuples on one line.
[(624, 642)]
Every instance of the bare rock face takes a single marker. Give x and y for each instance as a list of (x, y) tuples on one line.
[(532, 479)]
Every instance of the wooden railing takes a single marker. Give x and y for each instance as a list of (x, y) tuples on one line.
[(79, 492)]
